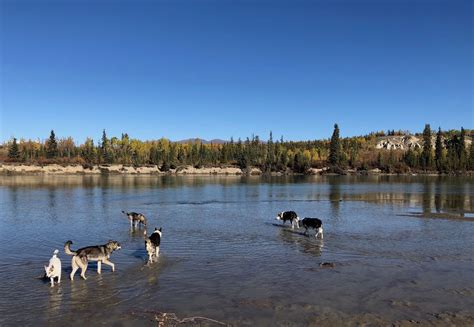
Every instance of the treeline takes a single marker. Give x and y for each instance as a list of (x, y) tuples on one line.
[(448, 154)]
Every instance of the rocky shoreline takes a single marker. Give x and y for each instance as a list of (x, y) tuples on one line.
[(55, 169)]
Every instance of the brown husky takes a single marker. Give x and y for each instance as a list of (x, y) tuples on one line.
[(99, 253)]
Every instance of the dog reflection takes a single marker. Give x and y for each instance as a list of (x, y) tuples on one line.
[(302, 241)]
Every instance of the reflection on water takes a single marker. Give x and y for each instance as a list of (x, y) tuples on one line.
[(304, 242), (431, 193), (222, 249)]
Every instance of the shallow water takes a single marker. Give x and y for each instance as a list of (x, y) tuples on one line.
[(225, 257)]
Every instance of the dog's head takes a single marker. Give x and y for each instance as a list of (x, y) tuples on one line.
[(48, 271), (279, 216), (113, 245)]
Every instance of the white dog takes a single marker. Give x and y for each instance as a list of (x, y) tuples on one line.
[(54, 268)]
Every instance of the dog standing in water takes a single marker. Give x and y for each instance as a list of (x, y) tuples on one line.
[(152, 244), (135, 218), (99, 253), (288, 215), (313, 223), (53, 270)]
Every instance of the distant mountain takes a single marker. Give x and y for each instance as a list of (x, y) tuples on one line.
[(213, 141)]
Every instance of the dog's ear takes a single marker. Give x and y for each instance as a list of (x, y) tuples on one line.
[(160, 229)]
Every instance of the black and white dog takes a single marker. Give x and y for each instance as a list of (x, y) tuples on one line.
[(313, 223), (152, 244), (291, 216)]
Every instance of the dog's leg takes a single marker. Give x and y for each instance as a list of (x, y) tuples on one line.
[(83, 265), (52, 281), (99, 266), (59, 278), (108, 263), (157, 251), (74, 267), (320, 230)]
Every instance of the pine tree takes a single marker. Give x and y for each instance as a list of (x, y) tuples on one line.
[(462, 150), (410, 158), (105, 151), (88, 151), (270, 158), (453, 153), (439, 159), (426, 155), (335, 147), (471, 156), (13, 151), (51, 146)]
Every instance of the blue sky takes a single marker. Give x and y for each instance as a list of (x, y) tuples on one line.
[(216, 69)]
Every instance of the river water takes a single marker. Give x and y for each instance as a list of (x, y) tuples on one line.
[(398, 251)]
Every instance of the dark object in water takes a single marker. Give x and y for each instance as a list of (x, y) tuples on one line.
[(327, 265)]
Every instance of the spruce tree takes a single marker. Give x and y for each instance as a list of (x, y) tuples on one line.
[(462, 150), (335, 147), (88, 151), (439, 160), (105, 151), (13, 151), (51, 146), (426, 155), (471, 156)]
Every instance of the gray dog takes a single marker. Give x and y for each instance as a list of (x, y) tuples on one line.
[(99, 253), (135, 218)]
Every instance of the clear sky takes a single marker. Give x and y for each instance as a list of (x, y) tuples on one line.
[(216, 69)]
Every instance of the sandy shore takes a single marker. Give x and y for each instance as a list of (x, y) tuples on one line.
[(54, 169), (117, 169)]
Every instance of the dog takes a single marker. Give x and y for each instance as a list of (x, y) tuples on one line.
[(313, 223), (152, 244), (99, 253), (135, 218), (53, 270), (290, 216)]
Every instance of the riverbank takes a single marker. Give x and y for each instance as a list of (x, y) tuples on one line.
[(117, 169), (55, 169)]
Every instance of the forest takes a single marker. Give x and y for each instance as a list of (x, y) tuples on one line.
[(449, 153)]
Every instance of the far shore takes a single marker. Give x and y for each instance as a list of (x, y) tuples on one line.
[(118, 169)]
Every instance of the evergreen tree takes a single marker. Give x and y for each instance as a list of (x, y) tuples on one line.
[(462, 150), (270, 158), (13, 151), (471, 156), (105, 150), (335, 147), (439, 158), (453, 153), (51, 146), (410, 158), (426, 155), (88, 151)]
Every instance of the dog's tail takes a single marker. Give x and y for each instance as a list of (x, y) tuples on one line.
[(67, 248)]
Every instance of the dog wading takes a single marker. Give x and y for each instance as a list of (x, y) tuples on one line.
[(99, 253)]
